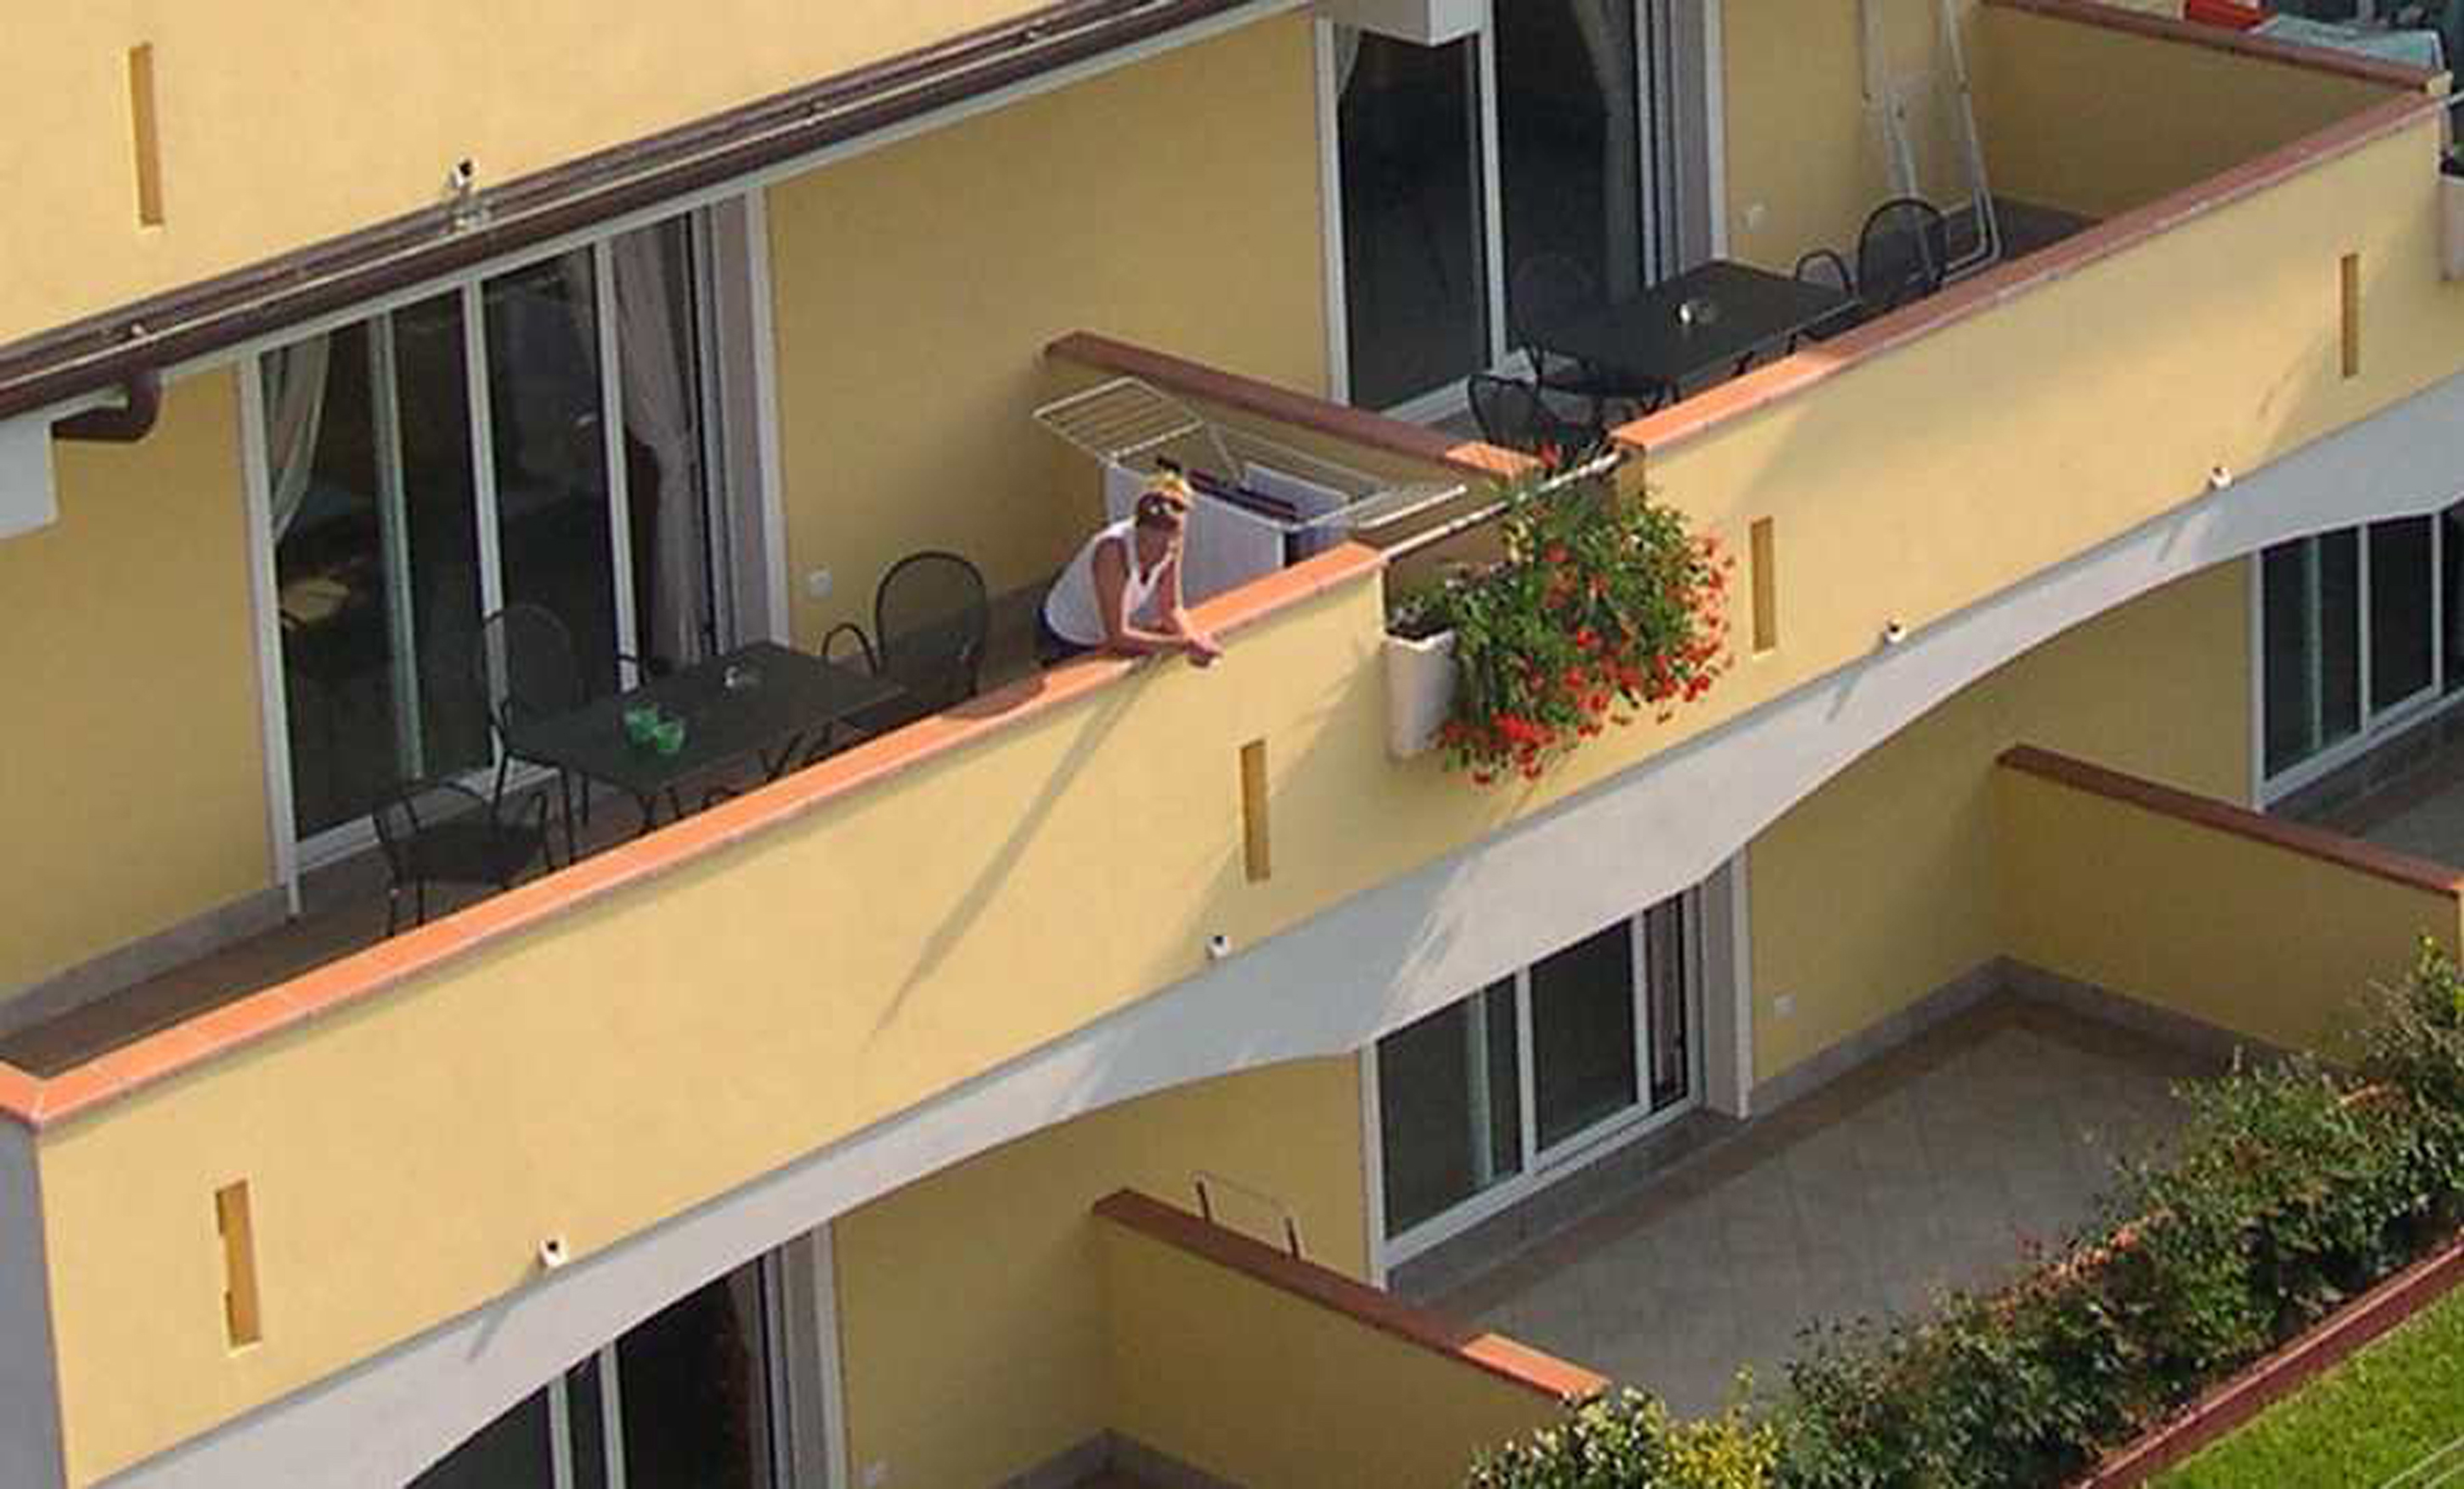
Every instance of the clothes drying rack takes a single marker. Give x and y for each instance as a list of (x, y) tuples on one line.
[(1128, 424)]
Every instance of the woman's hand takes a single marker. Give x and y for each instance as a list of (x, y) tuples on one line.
[(1201, 647)]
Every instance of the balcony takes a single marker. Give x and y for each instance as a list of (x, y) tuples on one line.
[(916, 920)]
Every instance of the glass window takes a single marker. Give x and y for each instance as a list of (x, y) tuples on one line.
[(1569, 153), (1449, 1109), (1583, 1047), (695, 1392), (376, 558), (1416, 276), (2402, 584), (1671, 1042), (513, 1452), (552, 534), (2310, 598)]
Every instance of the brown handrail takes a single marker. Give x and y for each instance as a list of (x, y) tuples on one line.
[(1508, 1360), (2222, 817)]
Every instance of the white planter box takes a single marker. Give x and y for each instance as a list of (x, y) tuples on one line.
[(2450, 226), (1420, 692)]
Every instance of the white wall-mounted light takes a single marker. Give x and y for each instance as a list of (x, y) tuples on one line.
[(552, 1253), (2219, 476), (1217, 946), (1894, 632)]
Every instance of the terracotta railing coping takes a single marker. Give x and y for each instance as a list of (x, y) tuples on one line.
[(1362, 427), (2224, 816), (2222, 38), (1794, 375), (36, 1102), (2280, 1373), (1517, 1364)]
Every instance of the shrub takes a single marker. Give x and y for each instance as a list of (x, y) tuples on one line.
[(2290, 1187), (1603, 607), (1629, 1440)]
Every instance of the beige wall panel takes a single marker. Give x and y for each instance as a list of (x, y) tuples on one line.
[(1257, 1386), (1174, 203), (284, 123), (2096, 121), (981, 1290), (1878, 888), (133, 797), (2244, 935)]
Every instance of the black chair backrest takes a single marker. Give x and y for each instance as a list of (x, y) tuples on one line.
[(1902, 253), (1825, 267), (415, 807), (931, 617), (1512, 413), (1547, 289), (524, 666)]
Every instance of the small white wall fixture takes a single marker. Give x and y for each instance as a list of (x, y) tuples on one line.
[(1426, 23), (28, 498)]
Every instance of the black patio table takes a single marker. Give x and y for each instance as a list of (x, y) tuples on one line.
[(1652, 343), (759, 701)]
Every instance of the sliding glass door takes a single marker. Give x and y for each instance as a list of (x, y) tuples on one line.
[(1533, 160), (2357, 636), (541, 436), (1480, 1100), (1415, 243), (684, 1400)]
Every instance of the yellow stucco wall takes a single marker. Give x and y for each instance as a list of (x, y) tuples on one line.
[(983, 1285), (1880, 887), (284, 123), (133, 797), (1174, 203), (2096, 121), (536, 1081), (1806, 157), (1253, 1384), (2243, 935)]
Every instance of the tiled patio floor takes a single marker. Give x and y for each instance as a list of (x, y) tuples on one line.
[(1928, 1167)]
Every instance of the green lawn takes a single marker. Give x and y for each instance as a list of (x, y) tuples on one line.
[(2377, 1415)]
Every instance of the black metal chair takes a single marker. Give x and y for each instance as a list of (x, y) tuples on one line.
[(1902, 254), (932, 618), (524, 668), (1514, 414), (1550, 289), (1825, 267), (443, 833)]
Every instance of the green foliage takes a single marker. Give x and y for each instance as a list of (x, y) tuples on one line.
[(1603, 608), (1629, 1440), (2291, 1186)]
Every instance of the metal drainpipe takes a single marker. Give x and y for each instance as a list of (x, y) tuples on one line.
[(132, 421)]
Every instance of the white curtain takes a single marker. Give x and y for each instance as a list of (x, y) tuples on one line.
[(659, 413), (1346, 58), (1608, 36), (295, 411)]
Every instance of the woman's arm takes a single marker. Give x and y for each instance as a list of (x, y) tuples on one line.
[(1202, 648), (1111, 575)]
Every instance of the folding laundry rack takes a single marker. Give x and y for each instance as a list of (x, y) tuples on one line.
[(1128, 424)]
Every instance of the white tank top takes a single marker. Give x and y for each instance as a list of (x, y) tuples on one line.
[(1071, 609)]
